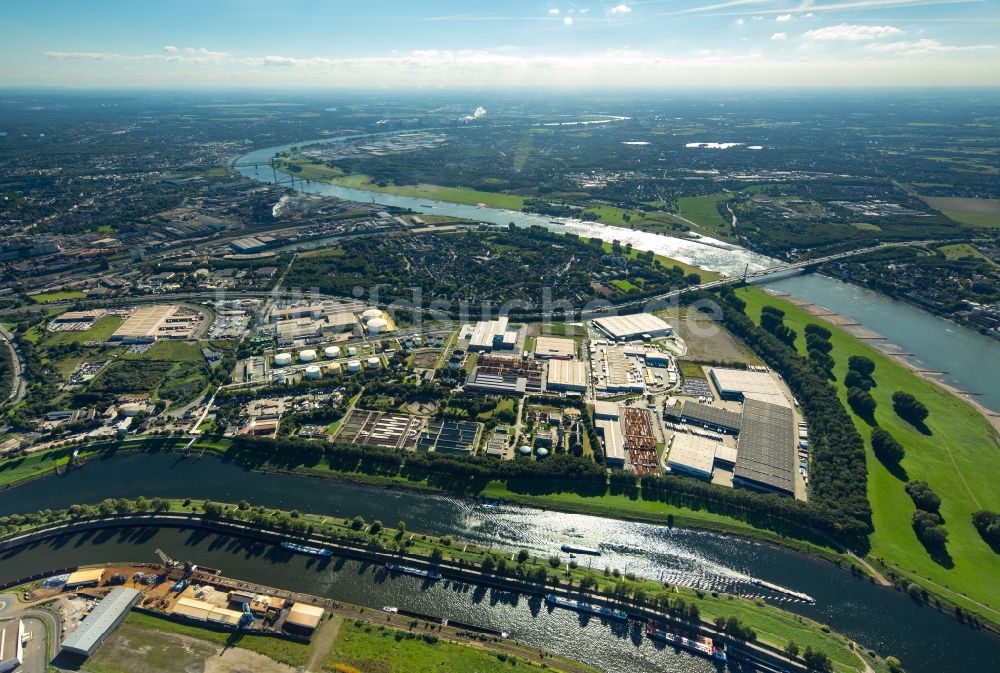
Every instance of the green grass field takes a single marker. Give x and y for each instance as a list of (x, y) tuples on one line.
[(983, 213), (102, 329), (170, 350), (961, 251), (951, 459), (62, 295), (370, 648), (701, 210), (464, 195)]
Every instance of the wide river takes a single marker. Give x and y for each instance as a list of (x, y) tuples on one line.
[(879, 618), (971, 361)]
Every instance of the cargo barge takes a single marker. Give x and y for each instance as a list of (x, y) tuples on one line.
[(584, 606), (416, 572), (573, 549), (702, 645), (306, 549)]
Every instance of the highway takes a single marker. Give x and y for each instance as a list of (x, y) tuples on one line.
[(18, 386)]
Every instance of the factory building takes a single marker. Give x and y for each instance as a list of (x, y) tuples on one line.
[(692, 456), (617, 373), (303, 618), (102, 620), (606, 410), (89, 577), (501, 375), (614, 442), (736, 384), (11, 645), (570, 375), (247, 245), (765, 458), (200, 611), (555, 348), (492, 334), (635, 326), (709, 417)]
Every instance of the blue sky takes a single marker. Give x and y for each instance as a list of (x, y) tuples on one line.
[(513, 43)]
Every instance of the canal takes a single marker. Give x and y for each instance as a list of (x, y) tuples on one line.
[(879, 618)]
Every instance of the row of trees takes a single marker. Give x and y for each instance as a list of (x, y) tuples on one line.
[(838, 474), (859, 381), (927, 521)]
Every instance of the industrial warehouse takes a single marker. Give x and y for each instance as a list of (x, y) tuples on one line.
[(99, 624), (644, 326), (147, 324)]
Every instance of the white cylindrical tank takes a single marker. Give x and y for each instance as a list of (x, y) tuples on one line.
[(374, 362), (542, 452), (332, 351), (283, 359), (377, 325), (525, 450), (279, 375), (354, 365), (371, 313), (352, 351), (307, 355), (333, 367), (313, 372)]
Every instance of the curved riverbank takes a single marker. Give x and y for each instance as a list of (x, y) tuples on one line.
[(893, 622)]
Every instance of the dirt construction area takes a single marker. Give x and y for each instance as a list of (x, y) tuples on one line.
[(707, 340), (133, 649)]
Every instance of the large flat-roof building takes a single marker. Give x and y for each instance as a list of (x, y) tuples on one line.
[(11, 645), (614, 442), (713, 418), (492, 334), (692, 456), (634, 326), (303, 617), (736, 384), (146, 324), (765, 458), (201, 611), (617, 373), (101, 621), (568, 375), (555, 348)]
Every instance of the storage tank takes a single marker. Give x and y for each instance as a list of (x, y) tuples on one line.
[(525, 450), (283, 359), (279, 375), (541, 452), (307, 355), (354, 365), (377, 325), (374, 362), (313, 372), (333, 367), (352, 351), (371, 313), (332, 351)]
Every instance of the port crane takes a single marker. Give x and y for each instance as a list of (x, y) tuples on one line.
[(170, 564)]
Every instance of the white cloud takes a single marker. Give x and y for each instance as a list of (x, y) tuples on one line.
[(926, 62), (554, 11), (778, 37), (621, 9), (568, 20), (83, 55), (782, 18), (852, 32), (170, 49), (740, 22), (923, 47)]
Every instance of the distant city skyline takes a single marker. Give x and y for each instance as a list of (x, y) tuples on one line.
[(647, 44)]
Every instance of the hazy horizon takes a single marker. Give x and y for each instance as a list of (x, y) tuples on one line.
[(551, 45)]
